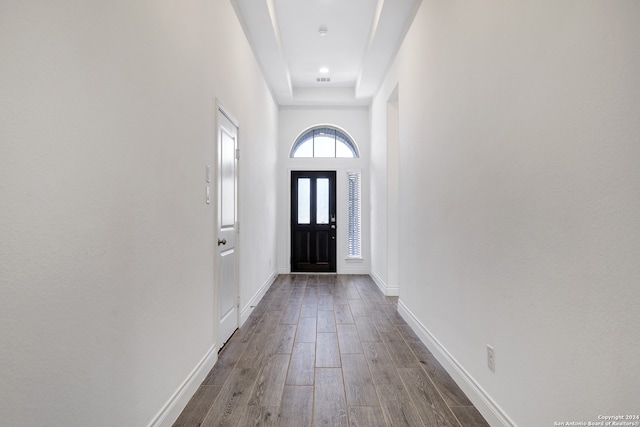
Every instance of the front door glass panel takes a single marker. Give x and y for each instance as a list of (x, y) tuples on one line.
[(304, 200), (322, 201)]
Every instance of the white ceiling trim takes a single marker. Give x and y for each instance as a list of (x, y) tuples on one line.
[(278, 35)]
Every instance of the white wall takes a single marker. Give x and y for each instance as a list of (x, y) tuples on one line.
[(393, 194), (379, 196), (385, 189), (107, 114), (293, 121), (519, 201)]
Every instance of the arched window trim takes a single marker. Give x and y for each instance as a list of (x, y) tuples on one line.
[(304, 137)]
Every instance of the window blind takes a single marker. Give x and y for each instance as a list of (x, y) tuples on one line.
[(354, 249)]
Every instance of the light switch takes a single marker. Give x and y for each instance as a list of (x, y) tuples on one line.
[(208, 173), (208, 195)]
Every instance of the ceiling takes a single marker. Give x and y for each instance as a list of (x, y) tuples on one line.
[(362, 38)]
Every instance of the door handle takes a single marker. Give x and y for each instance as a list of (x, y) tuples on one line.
[(333, 226), (222, 242)]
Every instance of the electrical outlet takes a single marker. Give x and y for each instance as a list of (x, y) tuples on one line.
[(491, 358)]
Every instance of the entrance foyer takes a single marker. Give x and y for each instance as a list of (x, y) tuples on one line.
[(327, 350)]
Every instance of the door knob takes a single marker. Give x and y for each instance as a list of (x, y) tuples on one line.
[(222, 242), (333, 226)]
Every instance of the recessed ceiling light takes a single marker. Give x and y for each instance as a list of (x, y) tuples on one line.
[(322, 30), (324, 70)]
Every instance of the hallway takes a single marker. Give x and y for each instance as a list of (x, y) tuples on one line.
[(327, 350)]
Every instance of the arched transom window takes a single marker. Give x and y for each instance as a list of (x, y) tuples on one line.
[(324, 141)]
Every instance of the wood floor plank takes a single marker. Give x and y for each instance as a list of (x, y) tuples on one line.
[(358, 307), (340, 295), (407, 333), (230, 405), (394, 316), (397, 406), (469, 416), (431, 407), (244, 333), (309, 308), (348, 339), (352, 291), (255, 351), (358, 383), (340, 299), (227, 359), (283, 339), (366, 416), (325, 302), (366, 329), (260, 416), (268, 323), (297, 295), (343, 313), (401, 353), (270, 383), (291, 313), (296, 409), (370, 296), (329, 402), (327, 350), (311, 292), (326, 321), (279, 301), (324, 289), (450, 391), (383, 370), (302, 366), (419, 350), (300, 279), (198, 406), (306, 330), (382, 321)]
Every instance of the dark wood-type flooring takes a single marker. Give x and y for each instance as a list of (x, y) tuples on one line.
[(327, 350)]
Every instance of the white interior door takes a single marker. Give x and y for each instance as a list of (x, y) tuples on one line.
[(228, 293)]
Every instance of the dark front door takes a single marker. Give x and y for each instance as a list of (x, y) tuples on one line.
[(313, 221)]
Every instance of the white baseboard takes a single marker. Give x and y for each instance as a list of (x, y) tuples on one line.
[(353, 270), (248, 308), (176, 404), (284, 270), (489, 409), (382, 285)]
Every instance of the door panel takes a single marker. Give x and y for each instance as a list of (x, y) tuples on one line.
[(227, 294), (313, 221)]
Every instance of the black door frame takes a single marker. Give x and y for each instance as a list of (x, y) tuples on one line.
[(316, 234)]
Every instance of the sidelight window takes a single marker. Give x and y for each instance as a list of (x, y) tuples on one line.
[(355, 218)]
